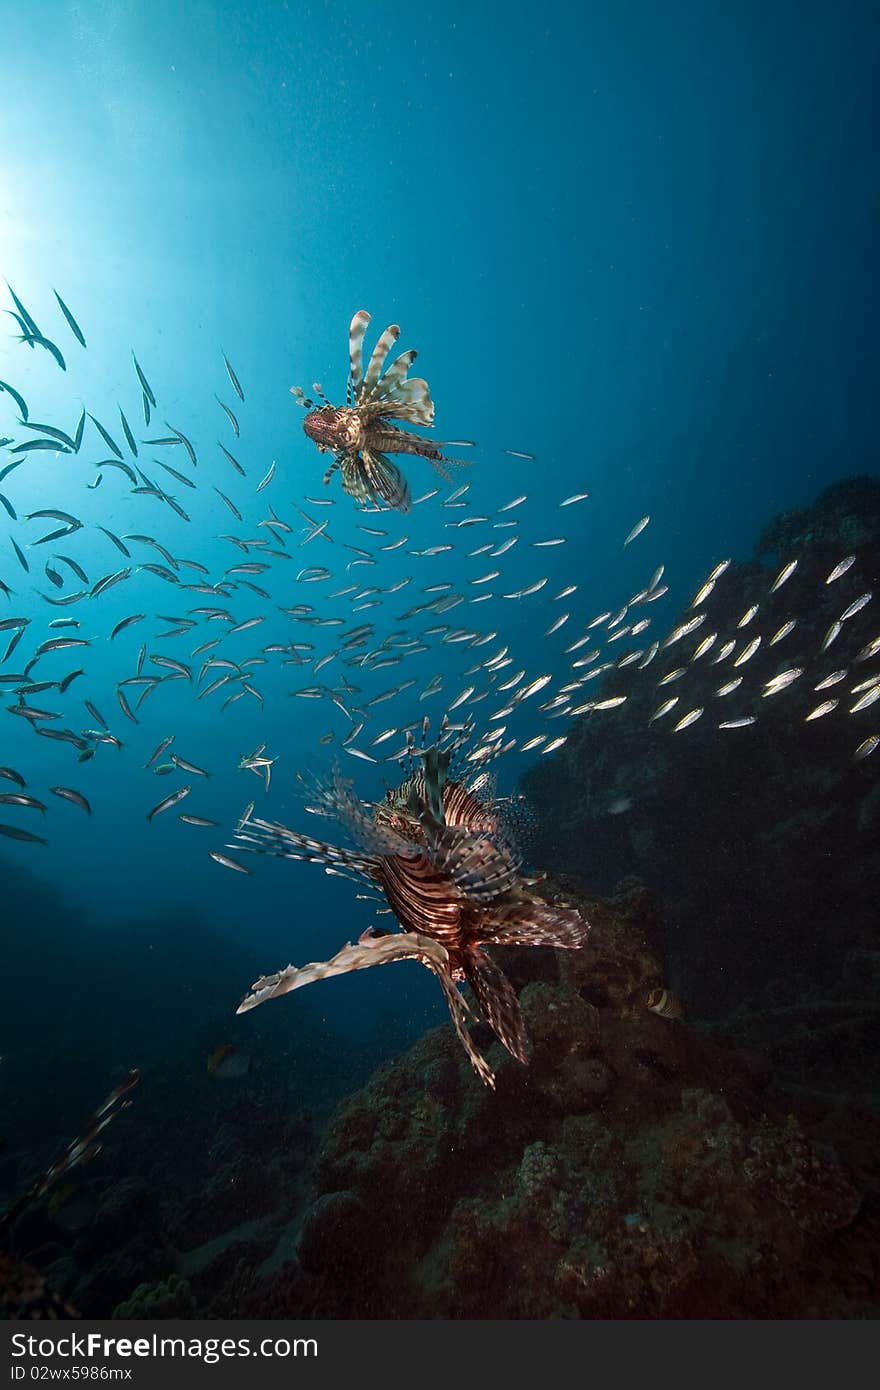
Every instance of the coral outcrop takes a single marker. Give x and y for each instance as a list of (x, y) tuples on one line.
[(633, 1169)]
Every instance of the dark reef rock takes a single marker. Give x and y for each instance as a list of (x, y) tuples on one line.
[(634, 1169), (760, 842)]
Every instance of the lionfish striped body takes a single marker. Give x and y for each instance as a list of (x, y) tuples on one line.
[(437, 850), (361, 434)]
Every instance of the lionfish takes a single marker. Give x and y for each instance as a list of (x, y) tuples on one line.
[(444, 863), (24, 1293), (360, 435)]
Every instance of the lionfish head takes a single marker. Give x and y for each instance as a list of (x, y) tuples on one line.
[(333, 428)]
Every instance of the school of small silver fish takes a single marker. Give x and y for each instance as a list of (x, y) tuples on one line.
[(374, 628)]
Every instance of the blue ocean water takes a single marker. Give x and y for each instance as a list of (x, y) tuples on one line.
[(636, 244)]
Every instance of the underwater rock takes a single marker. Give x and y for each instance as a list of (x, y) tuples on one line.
[(633, 1169), (336, 1229), (170, 1299), (121, 1211), (758, 841)]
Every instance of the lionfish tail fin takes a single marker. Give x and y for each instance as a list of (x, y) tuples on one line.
[(497, 1002)]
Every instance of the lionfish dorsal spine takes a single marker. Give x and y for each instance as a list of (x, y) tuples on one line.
[(356, 333), (377, 361)]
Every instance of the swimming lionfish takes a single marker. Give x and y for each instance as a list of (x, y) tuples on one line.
[(360, 435), (438, 852), (24, 1293)]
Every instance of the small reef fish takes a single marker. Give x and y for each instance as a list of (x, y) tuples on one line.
[(228, 1063), (665, 1003)]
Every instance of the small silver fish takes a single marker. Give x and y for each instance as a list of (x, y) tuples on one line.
[(188, 767), (869, 698), (782, 681), (825, 708), (855, 607), (870, 649), (748, 652), (533, 743), (227, 862), (840, 568), (703, 593), (729, 687), (834, 679), (782, 632), (554, 744), (637, 530), (690, 718), (69, 794), (268, 478), (783, 576), (703, 646), (724, 653), (748, 616), (169, 801), (236, 384), (663, 709)]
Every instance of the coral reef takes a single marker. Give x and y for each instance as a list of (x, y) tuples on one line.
[(172, 1299), (760, 842), (633, 1169)]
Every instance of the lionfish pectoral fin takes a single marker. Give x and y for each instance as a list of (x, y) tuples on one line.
[(270, 837), (385, 481), (536, 923), (338, 799), (361, 956), (497, 1002), (458, 1010)]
